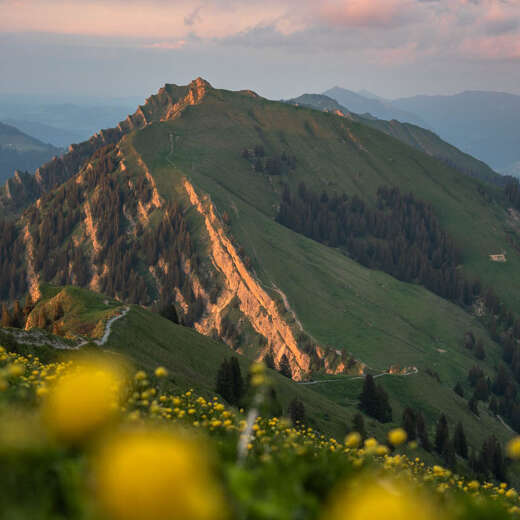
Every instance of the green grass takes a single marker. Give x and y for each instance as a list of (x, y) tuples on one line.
[(341, 304), (193, 361), (84, 312)]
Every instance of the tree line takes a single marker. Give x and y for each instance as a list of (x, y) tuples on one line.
[(401, 236), (127, 248)]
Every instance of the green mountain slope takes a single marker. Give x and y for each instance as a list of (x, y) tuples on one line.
[(410, 134), (172, 209), (192, 360)]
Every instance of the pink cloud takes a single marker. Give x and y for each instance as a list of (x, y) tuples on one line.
[(384, 30), (363, 13)]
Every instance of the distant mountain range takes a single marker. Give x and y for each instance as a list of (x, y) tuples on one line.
[(483, 124), (363, 104), (61, 124), (19, 151)]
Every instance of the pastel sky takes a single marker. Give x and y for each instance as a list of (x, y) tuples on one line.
[(280, 48)]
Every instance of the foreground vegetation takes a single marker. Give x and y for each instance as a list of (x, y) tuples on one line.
[(89, 437)]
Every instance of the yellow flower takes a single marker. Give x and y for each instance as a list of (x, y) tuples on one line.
[(156, 474), (257, 380), (83, 400), (16, 370), (378, 501), (513, 448), (140, 375), (161, 372), (397, 436), (353, 440), (257, 368)]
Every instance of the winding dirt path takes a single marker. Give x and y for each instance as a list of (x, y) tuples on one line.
[(108, 329), (413, 371)]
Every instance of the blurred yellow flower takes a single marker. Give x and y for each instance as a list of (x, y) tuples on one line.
[(513, 448), (16, 370), (353, 440), (140, 375), (397, 436), (83, 400), (161, 372), (156, 475), (378, 501)]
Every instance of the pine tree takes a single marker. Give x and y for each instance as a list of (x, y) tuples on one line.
[(459, 441), (409, 423), (7, 321), (296, 411), (368, 399), (459, 390), (448, 454), (422, 432), (473, 405), (442, 434), (284, 367), (224, 386), (269, 360), (18, 319), (358, 425), (230, 384), (480, 353), (481, 390), (493, 405), (237, 382), (373, 400)]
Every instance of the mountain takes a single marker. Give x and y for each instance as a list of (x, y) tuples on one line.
[(286, 231), (19, 151), (483, 124), (62, 124), (361, 104), (413, 135)]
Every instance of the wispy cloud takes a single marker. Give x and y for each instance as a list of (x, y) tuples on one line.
[(403, 30)]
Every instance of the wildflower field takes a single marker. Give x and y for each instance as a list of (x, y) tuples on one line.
[(90, 437)]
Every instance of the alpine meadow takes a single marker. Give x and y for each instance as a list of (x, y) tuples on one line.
[(233, 306)]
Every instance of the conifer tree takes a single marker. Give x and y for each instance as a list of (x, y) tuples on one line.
[(230, 384), (296, 411), (473, 405), (284, 367), (237, 382), (448, 454), (224, 386), (358, 425), (481, 390), (373, 400), (442, 434), (269, 360), (18, 319), (480, 353), (409, 423), (7, 321), (422, 432), (459, 441), (458, 389), (493, 405)]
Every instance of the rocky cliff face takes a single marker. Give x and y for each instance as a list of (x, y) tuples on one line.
[(168, 103), (100, 222)]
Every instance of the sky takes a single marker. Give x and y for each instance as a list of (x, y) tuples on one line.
[(278, 48)]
